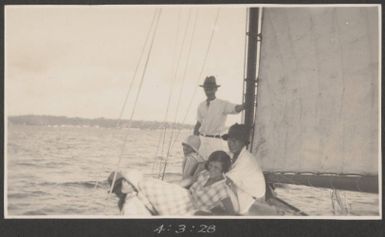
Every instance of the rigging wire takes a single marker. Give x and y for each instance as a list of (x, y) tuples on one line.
[(130, 87), (201, 72), (185, 68), (178, 101), (137, 96), (184, 73), (339, 202), (172, 85), (162, 138), (177, 67), (136, 70), (200, 75)]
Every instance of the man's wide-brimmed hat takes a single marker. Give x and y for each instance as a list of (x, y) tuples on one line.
[(193, 141), (210, 82), (239, 132)]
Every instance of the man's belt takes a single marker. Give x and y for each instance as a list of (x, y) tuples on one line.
[(213, 136)]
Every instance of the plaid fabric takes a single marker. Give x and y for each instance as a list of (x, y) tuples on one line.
[(146, 203), (167, 198), (172, 199), (206, 198)]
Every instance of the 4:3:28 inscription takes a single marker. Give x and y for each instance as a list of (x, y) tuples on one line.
[(181, 228)]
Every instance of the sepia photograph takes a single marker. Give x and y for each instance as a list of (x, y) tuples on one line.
[(192, 111)]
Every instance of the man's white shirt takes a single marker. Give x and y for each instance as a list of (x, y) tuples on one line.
[(213, 117), (213, 120)]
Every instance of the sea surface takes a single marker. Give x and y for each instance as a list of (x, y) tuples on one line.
[(62, 171)]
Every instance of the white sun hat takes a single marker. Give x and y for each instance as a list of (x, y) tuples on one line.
[(193, 141)]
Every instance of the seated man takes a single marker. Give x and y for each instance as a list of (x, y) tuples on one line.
[(245, 172)]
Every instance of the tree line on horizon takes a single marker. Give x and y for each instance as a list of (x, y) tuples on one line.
[(48, 120)]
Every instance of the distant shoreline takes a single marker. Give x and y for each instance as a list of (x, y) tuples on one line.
[(63, 121)]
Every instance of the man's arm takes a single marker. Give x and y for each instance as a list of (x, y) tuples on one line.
[(196, 128)]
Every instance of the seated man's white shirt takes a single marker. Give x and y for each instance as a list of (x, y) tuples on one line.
[(248, 178), (213, 119)]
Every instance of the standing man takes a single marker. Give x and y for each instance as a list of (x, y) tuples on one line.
[(245, 172), (211, 118)]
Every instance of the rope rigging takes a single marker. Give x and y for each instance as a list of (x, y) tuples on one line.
[(200, 74), (180, 94), (173, 141), (130, 87), (172, 138), (339, 202), (172, 85), (158, 14), (136, 71)]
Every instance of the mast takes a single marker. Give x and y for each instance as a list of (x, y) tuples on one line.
[(251, 69)]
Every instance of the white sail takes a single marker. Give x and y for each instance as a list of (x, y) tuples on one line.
[(318, 93)]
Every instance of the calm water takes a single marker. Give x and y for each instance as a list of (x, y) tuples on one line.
[(53, 171)]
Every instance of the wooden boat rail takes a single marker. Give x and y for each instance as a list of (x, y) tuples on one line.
[(348, 182)]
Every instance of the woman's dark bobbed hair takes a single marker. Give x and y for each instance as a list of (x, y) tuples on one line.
[(222, 157)]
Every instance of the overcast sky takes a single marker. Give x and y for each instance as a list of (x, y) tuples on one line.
[(79, 60)]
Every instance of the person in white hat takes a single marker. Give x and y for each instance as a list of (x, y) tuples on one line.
[(192, 158), (211, 118)]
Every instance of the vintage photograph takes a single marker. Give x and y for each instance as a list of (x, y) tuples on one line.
[(192, 111)]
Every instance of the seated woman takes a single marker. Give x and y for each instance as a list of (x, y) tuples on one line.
[(208, 193), (192, 158)]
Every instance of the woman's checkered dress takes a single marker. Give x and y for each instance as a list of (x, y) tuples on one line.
[(172, 199)]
